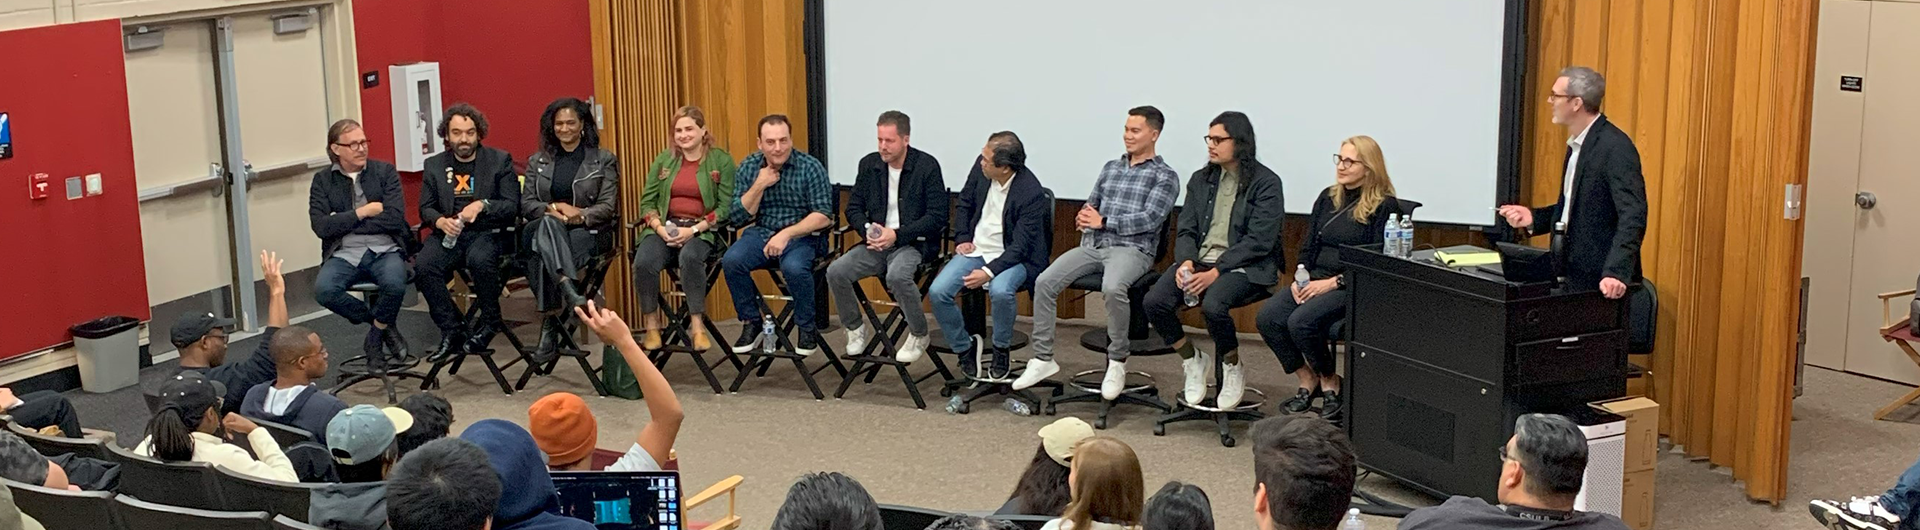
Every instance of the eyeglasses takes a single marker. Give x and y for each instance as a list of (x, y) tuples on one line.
[(1216, 140), (1344, 162), (357, 146), (1552, 97), (1503, 453)]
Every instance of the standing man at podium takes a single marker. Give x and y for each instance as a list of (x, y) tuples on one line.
[(1602, 214)]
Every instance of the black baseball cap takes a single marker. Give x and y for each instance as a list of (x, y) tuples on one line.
[(191, 394), (191, 327)]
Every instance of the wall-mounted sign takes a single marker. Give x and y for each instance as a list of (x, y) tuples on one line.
[(6, 137), (1850, 83)]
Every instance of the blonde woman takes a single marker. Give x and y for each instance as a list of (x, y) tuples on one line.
[(1108, 490), (1296, 323), (689, 185)]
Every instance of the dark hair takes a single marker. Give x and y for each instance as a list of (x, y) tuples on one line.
[(465, 110), (1043, 488), (772, 119), (1553, 452), (1240, 129), (961, 521), (432, 420), (289, 344), (170, 433), (1155, 119), (445, 484), (334, 132), (369, 471), (827, 501), (1307, 467), (589, 127), (1007, 150), (1178, 506), (899, 120)]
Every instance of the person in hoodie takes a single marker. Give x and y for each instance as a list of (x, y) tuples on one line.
[(361, 439), (292, 398), (527, 495), (445, 484)]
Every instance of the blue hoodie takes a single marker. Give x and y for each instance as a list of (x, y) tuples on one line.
[(527, 496)]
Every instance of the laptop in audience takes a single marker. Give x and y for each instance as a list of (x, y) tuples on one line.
[(621, 500)]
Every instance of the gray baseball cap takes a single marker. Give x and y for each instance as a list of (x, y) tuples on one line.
[(362, 433)]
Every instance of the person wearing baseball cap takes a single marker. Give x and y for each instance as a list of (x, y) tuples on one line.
[(566, 430), (187, 428), (361, 439), (1043, 488), (202, 340)]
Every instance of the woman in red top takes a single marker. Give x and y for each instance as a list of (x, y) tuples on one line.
[(683, 200)]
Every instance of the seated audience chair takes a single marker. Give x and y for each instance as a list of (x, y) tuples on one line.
[(1900, 333), (136, 514), (356, 369), (729, 487), (1025, 522), (883, 344), (897, 517), (243, 492), (59, 445), (286, 435), (282, 522), (63, 509), (185, 484)]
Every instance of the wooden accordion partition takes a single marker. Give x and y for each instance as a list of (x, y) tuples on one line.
[(1717, 96)]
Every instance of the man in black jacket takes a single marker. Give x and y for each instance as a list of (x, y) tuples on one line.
[(469, 193), (361, 240), (1541, 468), (899, 206), (1002, 242), (1602, 214)]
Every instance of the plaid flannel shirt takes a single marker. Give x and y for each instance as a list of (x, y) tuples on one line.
[(803, 189), (1135, 200)]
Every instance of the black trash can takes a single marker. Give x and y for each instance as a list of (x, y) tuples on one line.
[(109, 356)]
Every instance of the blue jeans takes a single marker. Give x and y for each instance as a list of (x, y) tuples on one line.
[(1904, 499), (388, 270), (796, 268), (1000, 291)]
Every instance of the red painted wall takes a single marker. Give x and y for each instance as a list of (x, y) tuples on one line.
[(67, 261), (509, 58)]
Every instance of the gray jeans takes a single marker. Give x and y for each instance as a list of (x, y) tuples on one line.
[(898, 263), (1119, 267)]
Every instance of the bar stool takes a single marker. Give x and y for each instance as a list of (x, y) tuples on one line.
[(357, 369)]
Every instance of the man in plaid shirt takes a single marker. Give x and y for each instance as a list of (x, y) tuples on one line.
[(1121, 227), (785, 202)]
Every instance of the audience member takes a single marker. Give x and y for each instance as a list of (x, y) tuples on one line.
[(1898, 508), (1540, 472), (187, 428), (827, 501), (961, 521), (1178, 506), (566, 429), (359, 213), (899, 199), (783, 199), (293, 398), (21, 463), (361, 439), (470, 193), (432, 420), (40, 410), (202, 340), (445, 484), (527, 494), (11, 518), (1043, 487), (1107, 488), (1000, 235), (571, 200), (683, 205), (1303, 472)]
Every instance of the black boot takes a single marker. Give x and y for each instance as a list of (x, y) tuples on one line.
[(481, 338), (375, 349), (549, 341), (451, 344), (396, 344)]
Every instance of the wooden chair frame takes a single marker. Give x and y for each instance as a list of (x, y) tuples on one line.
[(1890, 332)]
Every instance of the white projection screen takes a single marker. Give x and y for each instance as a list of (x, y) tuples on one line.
[(1428, 79)]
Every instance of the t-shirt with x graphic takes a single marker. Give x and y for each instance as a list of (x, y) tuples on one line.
[(462, 180)]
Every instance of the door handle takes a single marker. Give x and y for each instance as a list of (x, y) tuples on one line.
[(1865, 200)]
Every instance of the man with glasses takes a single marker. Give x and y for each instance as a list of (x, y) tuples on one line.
[(292, 398), (361, 239), (1601, 216), (1541, 468), (202, 340)]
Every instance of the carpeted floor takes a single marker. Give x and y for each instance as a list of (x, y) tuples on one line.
[(773, 431)]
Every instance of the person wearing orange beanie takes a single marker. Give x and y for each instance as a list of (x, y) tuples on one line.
[(566, 430)]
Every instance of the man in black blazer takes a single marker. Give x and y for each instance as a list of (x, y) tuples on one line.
[(468, 193), (361, 239), (1002, 242), (1602, 214), (899, 207)]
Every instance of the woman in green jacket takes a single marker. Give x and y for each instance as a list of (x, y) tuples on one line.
[(683, 201)]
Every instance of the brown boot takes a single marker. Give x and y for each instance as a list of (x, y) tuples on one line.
[(650, 339)]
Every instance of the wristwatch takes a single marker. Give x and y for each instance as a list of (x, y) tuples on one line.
[(1340, 282)]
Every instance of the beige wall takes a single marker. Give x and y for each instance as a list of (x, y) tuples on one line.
[(16, 14)]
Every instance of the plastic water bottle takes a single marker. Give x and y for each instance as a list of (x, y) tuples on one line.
[(1406, 235), (1186, 275), (673, 230), (449, 240), (1390, 236), (766, 334), (874, 231), (1300, 276), (1353, 521), (1018, 407)]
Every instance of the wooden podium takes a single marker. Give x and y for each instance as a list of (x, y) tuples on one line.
[(1442, 361)]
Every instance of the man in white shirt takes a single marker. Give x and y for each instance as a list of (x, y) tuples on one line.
[(1001, 238), (899, 207), (291, 398)]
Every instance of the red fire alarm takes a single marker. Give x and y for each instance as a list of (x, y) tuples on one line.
[(37, 186)]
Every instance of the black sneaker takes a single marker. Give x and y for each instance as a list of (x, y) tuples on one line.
[(1858, 513), (396, 344), (451, 344), (1002, 363), (970, 358), (808, 344), (1301, 401), (1331, 406), (749, 338)]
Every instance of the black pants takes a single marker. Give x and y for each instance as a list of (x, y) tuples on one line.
[(1299, 332), (38, 410), (559, 252), (653, 254), (1165, 301), (476, 251)]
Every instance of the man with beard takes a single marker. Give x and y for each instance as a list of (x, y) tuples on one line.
[(468, 193)]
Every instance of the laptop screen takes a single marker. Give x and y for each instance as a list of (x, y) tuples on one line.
[(621, 500)]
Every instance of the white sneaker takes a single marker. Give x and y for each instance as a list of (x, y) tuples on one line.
[(913, 348), (1233, 384), (1196, 369), (1115, 382), (1037, 371), (1860, 513), (856, 341)]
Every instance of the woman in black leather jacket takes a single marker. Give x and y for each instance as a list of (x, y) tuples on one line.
[(571, 199)]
